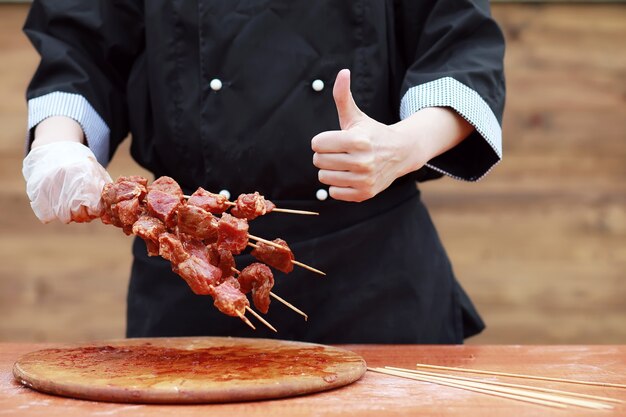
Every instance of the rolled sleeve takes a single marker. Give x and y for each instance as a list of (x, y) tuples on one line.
[(76, 107), (456, 61), (448, 92)]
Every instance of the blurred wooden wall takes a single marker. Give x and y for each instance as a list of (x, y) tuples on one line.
[(540, 244)]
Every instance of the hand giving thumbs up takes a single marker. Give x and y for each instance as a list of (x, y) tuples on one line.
[(361, 159), (365, 156)]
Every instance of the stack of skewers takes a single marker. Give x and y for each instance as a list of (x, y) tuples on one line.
[(549, 397), (200, 239)]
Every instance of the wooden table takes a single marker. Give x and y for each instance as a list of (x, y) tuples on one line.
[(375, 394)]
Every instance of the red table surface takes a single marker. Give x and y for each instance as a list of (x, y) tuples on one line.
[(374, 394)]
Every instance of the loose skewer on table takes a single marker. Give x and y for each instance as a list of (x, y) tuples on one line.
[(540, 378), (527, 394), (468, 388), (505, 384)]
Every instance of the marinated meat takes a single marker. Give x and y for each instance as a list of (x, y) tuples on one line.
[(200, 275), (259, 279), (226, 262), (269, 206), (167, 185), (149, 229), (195, 247), (163, 206), (213, 203), (251, 206), (199, 246), (229, 299), (171, 248), (135, 178), (128, 212), (280, 259), (116, 192), (214, 254), (261, 294), (232, 234), (197, 222), (121, 190)]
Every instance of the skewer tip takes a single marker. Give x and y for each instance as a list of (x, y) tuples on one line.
[(261, 319), (291, 306), (245, 320), (309, 268)]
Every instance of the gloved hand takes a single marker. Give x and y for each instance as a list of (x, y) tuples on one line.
[(64, 181)]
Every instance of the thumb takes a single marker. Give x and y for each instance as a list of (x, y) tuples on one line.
[(347, 109)]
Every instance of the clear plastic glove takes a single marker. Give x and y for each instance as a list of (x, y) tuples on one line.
[(64, 181)]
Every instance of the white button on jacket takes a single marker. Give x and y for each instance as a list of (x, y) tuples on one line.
[(216, 84), (321, 194), (317, 85)]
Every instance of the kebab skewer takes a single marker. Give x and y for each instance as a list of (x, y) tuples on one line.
[(248, 206), (199, 245), (204, 204), (273, 295)]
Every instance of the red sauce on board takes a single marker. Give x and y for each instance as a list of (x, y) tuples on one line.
[(217, 363)]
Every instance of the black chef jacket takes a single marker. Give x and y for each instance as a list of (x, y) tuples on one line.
[(151, 68)]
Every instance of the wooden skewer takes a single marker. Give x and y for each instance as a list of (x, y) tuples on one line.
[(292, 211), (282, 300), (280, 210), (283, 210), (276, 245), (302, 313), (505, 384), (518, 391), (267, 242), (310, 268), (261, 319), (468, 388), (245, 320), (240, 314), (540, 378)]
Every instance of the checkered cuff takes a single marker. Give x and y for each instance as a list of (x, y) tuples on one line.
[(78, 108), (448, 92)]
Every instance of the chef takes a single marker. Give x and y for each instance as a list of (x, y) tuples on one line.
[(243, 96)]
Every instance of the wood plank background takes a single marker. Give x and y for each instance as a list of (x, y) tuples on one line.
[(540, 244)]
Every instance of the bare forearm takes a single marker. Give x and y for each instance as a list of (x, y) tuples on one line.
[(57, 129), (429, 133)]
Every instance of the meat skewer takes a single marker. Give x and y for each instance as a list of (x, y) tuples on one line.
[(200, 245), (293, 211), (257, 278), (281, 300), (276, 245), (231, 232), (221, 203), (277, 257)]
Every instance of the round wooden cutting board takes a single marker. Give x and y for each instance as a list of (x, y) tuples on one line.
[(188, 370)]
